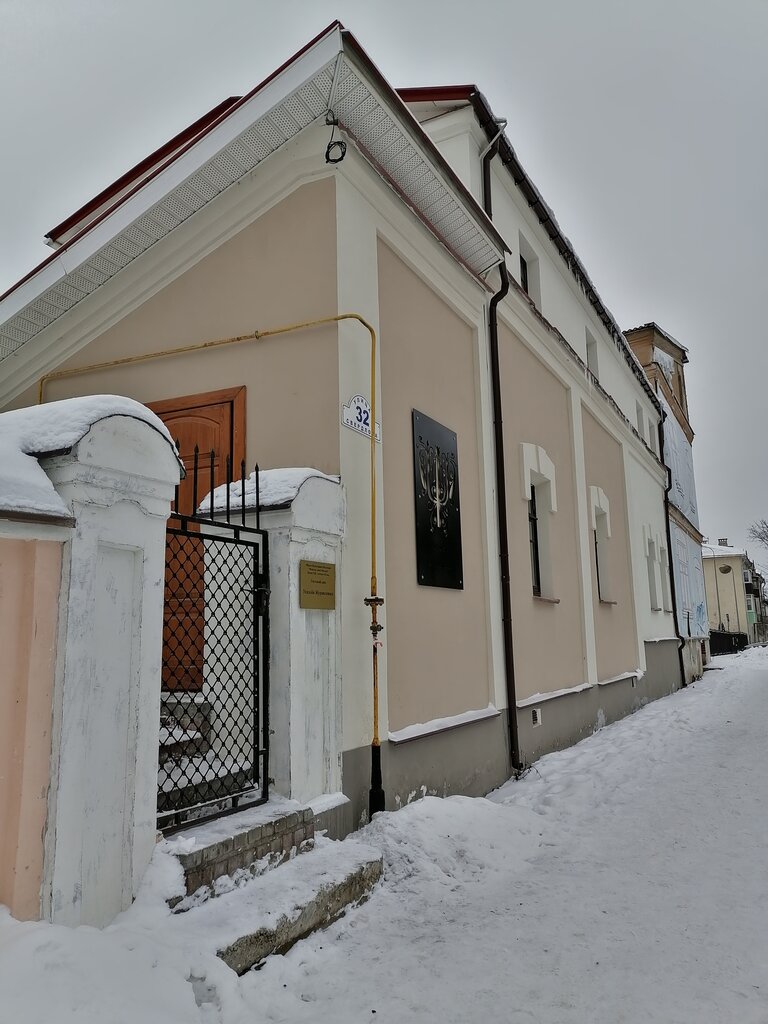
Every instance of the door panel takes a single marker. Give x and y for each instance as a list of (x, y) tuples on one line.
[(214, 422)]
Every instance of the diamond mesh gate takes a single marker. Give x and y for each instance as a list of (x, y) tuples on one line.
[(214, 728)]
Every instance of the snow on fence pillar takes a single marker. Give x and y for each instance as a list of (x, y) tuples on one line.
[(117, 480)]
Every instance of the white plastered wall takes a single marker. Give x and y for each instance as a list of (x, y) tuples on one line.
[(646, 521)]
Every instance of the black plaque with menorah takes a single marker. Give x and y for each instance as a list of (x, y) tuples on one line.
[(438, 517)]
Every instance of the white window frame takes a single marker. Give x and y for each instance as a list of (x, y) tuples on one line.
[(600, 521), (532, 265), (593, 362), (538, 471)]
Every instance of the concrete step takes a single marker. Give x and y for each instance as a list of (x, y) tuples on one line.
[(177, 742), (270, 913), (224, 854), (185, 725)]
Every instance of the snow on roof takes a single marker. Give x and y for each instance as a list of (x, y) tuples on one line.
[(653, 326), (716, 551), (277, 487), (26, 434)]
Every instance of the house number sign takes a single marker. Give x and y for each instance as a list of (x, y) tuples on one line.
[(357, 416)]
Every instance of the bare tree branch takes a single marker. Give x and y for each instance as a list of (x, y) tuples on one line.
[(759, 531)]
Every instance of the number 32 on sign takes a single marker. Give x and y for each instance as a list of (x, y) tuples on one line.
[(357, 416)]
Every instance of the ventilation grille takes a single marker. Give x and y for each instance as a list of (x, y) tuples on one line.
[(535, 717)]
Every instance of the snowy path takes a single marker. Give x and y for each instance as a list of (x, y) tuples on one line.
[(624, 881)]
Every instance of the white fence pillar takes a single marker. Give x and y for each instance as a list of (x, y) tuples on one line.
[(118, 482), (305, 666)]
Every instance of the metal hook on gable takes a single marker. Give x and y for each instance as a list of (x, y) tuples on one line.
[(336, 149)]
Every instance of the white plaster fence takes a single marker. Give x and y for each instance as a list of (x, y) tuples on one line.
[(81, 605), (81, 629)]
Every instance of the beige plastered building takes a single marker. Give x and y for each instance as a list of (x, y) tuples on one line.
[(241, 225)]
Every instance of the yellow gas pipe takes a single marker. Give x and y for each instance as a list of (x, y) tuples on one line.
[(374, 602)]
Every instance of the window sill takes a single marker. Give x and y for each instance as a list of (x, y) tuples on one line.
[(546, 600), (603, 601)]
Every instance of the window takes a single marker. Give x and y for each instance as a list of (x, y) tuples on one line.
[(747, 576), (601, 533), (530, 280), (533, 538), (653, 436), (749, 604), (592, 355), (640, 420), (686, 606), (540, 494)]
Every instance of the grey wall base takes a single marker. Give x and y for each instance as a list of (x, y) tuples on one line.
[(471, 760), (566, 720), (695, 657)]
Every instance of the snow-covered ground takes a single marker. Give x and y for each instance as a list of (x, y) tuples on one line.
[(622, 880)]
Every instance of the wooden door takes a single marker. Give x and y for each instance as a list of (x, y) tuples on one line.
[(213, 422)]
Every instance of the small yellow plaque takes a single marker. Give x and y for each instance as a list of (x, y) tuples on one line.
[(317, 585)]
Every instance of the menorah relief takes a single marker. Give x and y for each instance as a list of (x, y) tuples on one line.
[(437, 472)]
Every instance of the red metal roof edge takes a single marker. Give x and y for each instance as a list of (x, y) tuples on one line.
[(189, 133), (175, 156), (436, 93)]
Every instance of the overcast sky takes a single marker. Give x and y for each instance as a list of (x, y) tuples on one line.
[(644, 124)]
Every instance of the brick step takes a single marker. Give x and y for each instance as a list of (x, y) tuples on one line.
[(269, 914), (225, 854)]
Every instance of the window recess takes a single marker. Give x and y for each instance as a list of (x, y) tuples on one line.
[(540, 494), (530, 276), (601, 535)]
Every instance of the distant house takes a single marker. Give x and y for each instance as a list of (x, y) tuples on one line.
[(735, 593), (664, 360), (520, 506)]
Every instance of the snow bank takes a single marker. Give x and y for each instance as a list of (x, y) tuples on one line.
[(276, 487), (42, 429), (621, 879)]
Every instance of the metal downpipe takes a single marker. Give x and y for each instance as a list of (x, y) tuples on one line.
[(501, 483), (672, 590)]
